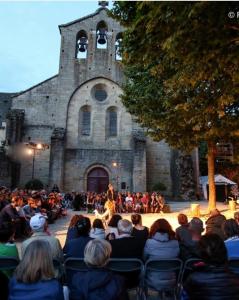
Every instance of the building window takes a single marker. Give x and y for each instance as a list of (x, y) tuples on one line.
[(118, 46), (85, 120), (99, 92), (111, 122), (81, 44), (101, 35)]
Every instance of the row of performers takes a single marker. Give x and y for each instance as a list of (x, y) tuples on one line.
[(140, 203)]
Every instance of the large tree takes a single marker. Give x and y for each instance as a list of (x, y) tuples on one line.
[(181, 63)]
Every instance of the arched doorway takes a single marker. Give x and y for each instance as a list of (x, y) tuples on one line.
[(97, 180)]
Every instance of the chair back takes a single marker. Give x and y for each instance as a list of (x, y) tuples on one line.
[(188, 268), (125, 265), (132, 269), (8, 263), (233, 264), (59, 270), (163, 275), (74, 265)]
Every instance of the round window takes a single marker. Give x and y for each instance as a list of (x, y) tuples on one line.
[(99, 92)]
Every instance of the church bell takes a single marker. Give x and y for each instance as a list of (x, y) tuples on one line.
[(82, 44), (102, 36)]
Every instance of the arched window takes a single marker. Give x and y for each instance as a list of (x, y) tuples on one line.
[(111, 122), (85, 120), (101, 35), (81, 44), (118, 46)]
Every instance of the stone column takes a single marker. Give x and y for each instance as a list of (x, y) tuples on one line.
[(14, 129), (57, 158), (139, 162)]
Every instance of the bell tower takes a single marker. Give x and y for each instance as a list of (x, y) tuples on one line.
[(90, 47)]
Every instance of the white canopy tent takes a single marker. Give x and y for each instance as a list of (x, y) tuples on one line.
[(218, 179)]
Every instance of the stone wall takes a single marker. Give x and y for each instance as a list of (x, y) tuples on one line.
[(56, 102), (78, 162)]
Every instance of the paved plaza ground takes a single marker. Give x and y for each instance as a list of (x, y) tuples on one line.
[(59, 228)]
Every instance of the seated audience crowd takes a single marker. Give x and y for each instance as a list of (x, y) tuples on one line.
[(36, 278)]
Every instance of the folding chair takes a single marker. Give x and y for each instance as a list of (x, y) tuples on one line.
[(73, 265), (163, 276), (233, 264), (59, 270), (8, 263), (188, 268), (132, 270)]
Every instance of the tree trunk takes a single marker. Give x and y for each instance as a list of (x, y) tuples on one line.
[(211, 174)]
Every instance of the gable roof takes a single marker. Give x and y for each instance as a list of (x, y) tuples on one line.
[(34, 86), (83, 18)]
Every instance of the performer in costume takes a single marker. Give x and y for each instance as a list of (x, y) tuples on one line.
[(109, 204)]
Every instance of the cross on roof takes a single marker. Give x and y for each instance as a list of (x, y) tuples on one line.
[(103, 3)]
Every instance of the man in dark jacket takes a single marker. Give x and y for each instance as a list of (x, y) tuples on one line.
[(214, 223), (212, 281), (126, 246)]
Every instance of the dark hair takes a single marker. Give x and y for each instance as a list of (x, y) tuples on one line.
[(98, 224), (6, 233), (182, 219), (230, 228), (213, 250), (162, 226), (83, 226), (136, 219), (114, 220), (74, 220)]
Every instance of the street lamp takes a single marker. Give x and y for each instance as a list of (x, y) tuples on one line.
[(116, 165), (32, 150)]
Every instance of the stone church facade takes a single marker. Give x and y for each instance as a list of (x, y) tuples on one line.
[(78, 112)]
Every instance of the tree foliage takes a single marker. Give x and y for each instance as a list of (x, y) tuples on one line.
[(34, 184), (181, 66)]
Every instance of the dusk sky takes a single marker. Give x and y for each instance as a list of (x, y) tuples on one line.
[(30, 39)]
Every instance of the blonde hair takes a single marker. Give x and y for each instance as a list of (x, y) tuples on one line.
[(36, 264), (97, 253)]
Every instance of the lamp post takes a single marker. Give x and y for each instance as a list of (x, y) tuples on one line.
[(116, 165), (32, 150)]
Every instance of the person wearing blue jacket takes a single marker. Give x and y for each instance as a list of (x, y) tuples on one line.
[(98, 283), (34, 276)]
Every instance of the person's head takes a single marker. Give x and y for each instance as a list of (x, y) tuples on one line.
[(31, 202), (38, 223), (110, 186), (230, 228), (83, 226), (125, 227), (236, 216), (97, 253), (182, 219), (196, 226), (16, 201), (213, 250), (6, 233), (214, 212), (136, 219), (36, 263), (162, 226), (74, 220), (98, 224), (114, 220)]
